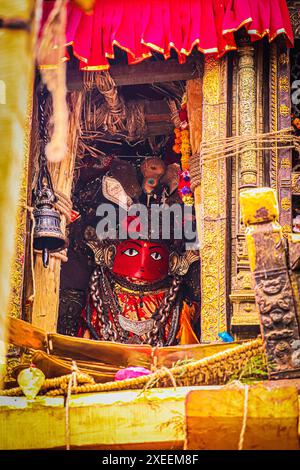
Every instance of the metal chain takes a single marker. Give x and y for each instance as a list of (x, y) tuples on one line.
[(108, 332), (43, 171), (100, 289), (161, 317), (110, 295)]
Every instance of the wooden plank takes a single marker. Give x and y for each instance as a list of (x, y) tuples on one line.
[(159, 128), (214, 418), (119, 419), (16, 10), (143, 73), (124, 355), (194, 107), (42, 419), (21, 333), (154, 420)]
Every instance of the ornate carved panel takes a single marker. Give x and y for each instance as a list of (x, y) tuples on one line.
[(247, 112), (280, 118), (214, 204), (247, 118)]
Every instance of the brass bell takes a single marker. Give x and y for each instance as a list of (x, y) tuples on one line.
[(47, 236)]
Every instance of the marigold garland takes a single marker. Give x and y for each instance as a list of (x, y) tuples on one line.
[(182, 146), (295, 121)]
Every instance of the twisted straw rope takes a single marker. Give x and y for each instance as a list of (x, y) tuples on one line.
[(63, 205), (217, 368), (54, 384), (195, 175), (235, 146), (214, 369)]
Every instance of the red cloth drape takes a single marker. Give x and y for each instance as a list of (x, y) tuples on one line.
[(142, 26)]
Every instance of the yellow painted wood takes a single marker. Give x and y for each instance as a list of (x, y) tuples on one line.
[(121, 418), (194, 107), (16, 9), (155, 419), (214, 418), (25, 425), (16, 71)]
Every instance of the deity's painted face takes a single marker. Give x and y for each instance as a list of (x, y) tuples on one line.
[(142, 260)]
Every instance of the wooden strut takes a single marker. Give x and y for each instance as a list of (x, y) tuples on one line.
[(46, 301)]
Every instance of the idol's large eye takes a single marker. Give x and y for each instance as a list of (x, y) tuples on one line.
[(130, 252), (155, 255)]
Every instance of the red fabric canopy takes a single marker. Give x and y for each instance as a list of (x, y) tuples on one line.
[(141, 26)]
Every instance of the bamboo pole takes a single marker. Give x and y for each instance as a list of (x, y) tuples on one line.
[(47, 281), (16, 74)]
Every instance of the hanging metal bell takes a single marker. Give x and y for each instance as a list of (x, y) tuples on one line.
[(47, 236)]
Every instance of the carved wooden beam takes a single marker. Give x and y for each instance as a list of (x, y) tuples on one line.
[(143, 73), (274, 295)]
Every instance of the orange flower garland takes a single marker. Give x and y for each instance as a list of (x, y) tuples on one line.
[(177, 142), (185, 149), (182, 146)]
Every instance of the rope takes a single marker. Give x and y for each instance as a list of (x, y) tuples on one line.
[(169, 373), (236, 145), (154, 378), (233, 147), (30, 210), (63, 205), (215, 369), (114, 116), (57, 385), (194, 163), (67, 416), (245, 414), (72, 382)]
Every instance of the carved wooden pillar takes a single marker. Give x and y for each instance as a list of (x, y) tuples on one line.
[(280, 118), (272, 284), (246, 172), (214, 222), (247, 111)]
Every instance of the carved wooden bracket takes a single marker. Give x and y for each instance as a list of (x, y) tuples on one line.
[(274, 295)]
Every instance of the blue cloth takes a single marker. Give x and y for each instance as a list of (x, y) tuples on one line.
[(225, 337)]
